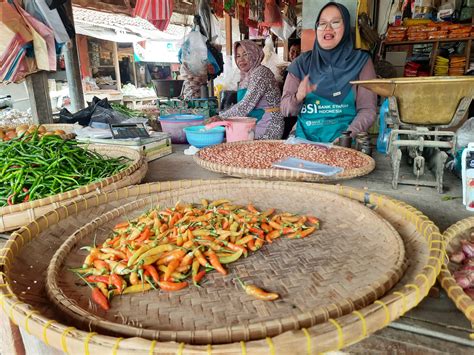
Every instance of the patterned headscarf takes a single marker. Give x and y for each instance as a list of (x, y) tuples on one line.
[(255, 57)]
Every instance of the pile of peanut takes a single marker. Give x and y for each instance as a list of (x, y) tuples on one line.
[(261, 155)]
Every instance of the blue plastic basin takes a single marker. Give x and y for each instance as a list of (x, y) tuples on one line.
[(201, 137)]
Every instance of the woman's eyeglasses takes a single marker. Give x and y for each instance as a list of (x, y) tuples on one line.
[(335, 24)]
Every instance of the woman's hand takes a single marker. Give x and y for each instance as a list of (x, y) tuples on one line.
[(304, 88), (212, 119)]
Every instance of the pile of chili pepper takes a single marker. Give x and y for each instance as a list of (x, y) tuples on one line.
[(164, 247), (34, 167)]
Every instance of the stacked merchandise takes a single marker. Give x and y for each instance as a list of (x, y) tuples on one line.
[(441, 66), (457, 64), (396, 34)]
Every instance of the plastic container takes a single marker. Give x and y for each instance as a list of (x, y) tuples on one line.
[(201, 137), (237, 128), (174, 124), (384, 131)]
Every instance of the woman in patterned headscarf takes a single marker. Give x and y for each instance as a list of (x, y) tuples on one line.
[(258, 94)]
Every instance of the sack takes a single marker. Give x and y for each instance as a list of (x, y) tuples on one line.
[(465, 134)]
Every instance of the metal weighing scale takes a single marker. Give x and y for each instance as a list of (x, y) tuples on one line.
[(421, 110)]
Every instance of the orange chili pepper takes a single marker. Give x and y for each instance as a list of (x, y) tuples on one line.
[(145, 235), (152, 271), (257, 231), (122, 225), (244, 240), (266, 227), (259, 243), (172, 286), (234, 247), (252, 208), (222, 211), (215, 262), (134, 278), (251, 245), (198, 277), (97, 278), (99, 298), (313, 220), (202, 260), (258, 293), (171, 268), (118, 282), (101, 265), (275, 225)]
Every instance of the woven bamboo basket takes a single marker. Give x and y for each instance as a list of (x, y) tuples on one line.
[(453, 236), (15, 216), (68, 128), (27, 305), (333, 272), (282, 174)]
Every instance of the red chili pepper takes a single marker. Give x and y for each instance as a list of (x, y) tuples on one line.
[(98, 278), (10, 199), (198, 277), (99, 298), (117, 281), (27, 198)]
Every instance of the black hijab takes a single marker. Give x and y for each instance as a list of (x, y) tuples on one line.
[(332, 69)]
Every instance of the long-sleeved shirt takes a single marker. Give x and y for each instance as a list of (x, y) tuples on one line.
[(262, 93), (366, 100)]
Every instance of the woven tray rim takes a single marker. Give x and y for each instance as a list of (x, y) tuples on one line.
[(283, 174), (332, 335), (462, 301), (137, 161), (71, 309)]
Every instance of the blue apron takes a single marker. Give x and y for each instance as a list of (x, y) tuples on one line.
[(256, 112), (321, 120)]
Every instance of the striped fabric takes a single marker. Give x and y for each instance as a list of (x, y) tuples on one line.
[(157, 12)]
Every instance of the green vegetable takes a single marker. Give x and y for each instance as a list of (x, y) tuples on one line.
[(126, 111), (34, 167)]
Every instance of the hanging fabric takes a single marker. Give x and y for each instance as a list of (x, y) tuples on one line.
[(41, 11), (229, 7), (43, 40), (272, 14), (218, 7), (157, 12)]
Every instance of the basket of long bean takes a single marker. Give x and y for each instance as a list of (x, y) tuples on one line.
[(38, 173), (32, 247)]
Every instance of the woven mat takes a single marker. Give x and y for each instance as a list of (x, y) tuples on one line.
[(453, 235), (27, 304), (335, 268), (282, 174)]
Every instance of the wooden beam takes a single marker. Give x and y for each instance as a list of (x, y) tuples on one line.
[(38, 92), (228, 34), (73, 70), (117, 66)]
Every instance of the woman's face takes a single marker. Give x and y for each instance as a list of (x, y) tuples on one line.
[(330, 28), (242, 59), (294, 52)]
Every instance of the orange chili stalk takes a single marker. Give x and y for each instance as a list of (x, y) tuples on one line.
[(257, 292)]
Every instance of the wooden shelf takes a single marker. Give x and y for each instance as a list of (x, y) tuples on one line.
[(435, 49), (398, 43)]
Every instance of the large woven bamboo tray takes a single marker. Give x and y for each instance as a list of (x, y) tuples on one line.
[(453, 236), (282, 174), (15, 216), (23, 297), (335, 268)]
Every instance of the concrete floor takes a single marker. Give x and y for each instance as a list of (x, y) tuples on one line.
[(435, 326)]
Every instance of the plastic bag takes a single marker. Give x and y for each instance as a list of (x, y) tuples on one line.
[(465, 134), (271, 60), (231, 75), (194, 52)]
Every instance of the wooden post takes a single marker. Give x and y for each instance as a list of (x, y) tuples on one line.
[(134, 71), (228, 34), (117, 67), (73, 70), (38, 92)]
